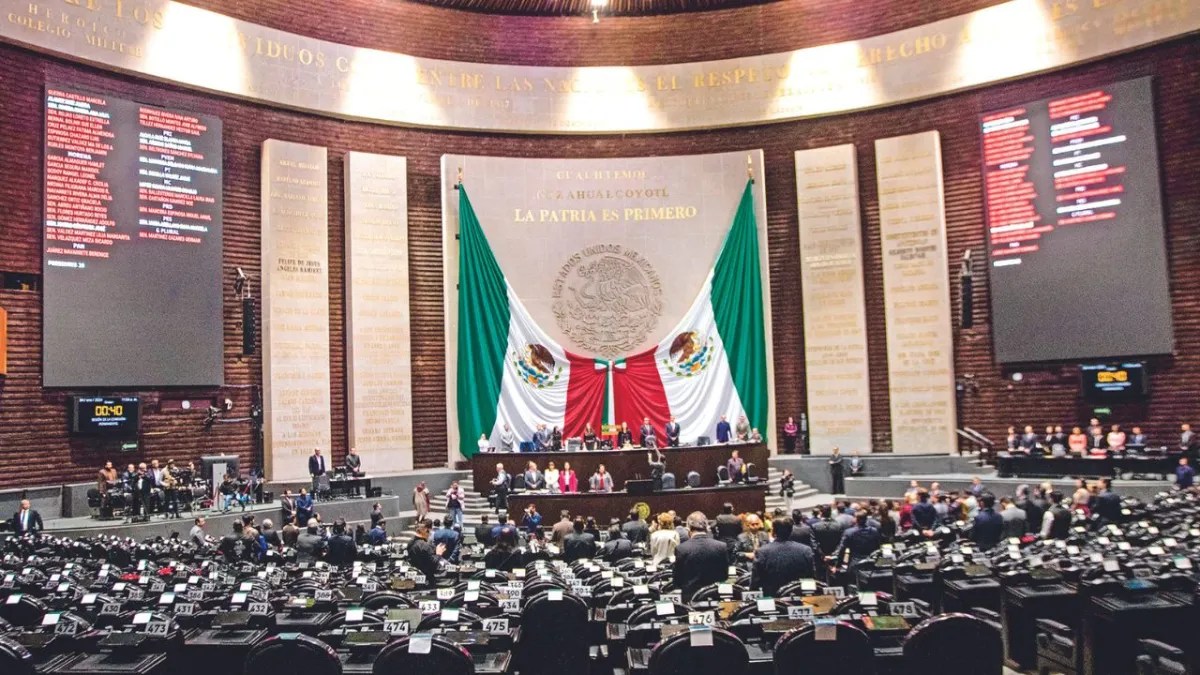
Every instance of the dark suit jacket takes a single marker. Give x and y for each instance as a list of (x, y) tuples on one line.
[(728, 527), (636, 531), (988, 529), (316, 465), (828, 534), (803, 534), (578, 546), (672, 434), (341, 550), (780, 563), (483, 534), (700, 561), (35, 522)]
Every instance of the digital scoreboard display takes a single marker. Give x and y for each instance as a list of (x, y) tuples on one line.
[(1113, 383), (118, 416), (131, 244), (1076, 249)]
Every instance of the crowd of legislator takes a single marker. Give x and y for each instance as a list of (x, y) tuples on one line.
[(1093, 440)]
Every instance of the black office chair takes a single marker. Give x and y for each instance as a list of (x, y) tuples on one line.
[(693, 479), (954, 638), (650, 613), (387, 600), (712, 592), (677, 656), (444, 658), (26, 611), (723, 475), (292, 653), (14, 658), (799, 651), (561, 624)]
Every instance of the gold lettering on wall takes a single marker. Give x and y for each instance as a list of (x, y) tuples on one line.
[(916, 291), (177, 42), (295, 307)]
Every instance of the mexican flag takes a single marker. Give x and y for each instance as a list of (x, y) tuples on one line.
[(712, 364)]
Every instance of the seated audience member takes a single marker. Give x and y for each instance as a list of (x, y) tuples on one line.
[(782, 561), (664, 540), (423, 556), (987, 529), (1077, 441), (617, 547), (736, 467), (1116, 439), (701, 560), (858, 542), (578, 545), (858, 466)]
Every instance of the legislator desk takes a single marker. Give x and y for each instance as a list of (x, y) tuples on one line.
[(622, 464), (1032, 466), (605, 506)]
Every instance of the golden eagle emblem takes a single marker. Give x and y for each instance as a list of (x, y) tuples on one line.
[(689, 354), (536, 366)]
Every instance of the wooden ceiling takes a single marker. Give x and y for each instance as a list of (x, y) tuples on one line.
[(584, 7)]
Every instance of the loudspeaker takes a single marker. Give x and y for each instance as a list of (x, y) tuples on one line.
[(247, 326), (966, 288)]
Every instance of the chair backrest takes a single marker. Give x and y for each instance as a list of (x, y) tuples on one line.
[(677, 656), (517, 481), (850, 651), (292, 653), (444, 658), (713, 592), (693, 479), (651, 613), (954, 638), (723, 473), (668, 481), (561, 624), (26, 611), (14, 658)]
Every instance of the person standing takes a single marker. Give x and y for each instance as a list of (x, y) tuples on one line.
[(455, 497), (635, 529), (561, 529), (589, 437), (724, 431), (1187, 439), (197, 534), (601, 481), (743, 430), (664, 540), (533, 477), (782, 561), (304, 508), (508, 439), (421, 501), (26, 520), (837, 473), (316, 469), (701, 560), (532, 521), (624, 436), (1015, 523), (483, 443), (672, 431), (860, 541), (354, 464), (568, 483), (1184, 474), (735, 466), (791, 431), (988, 527), (858, 467), (1116, 439), (551, 476), (500, 488)]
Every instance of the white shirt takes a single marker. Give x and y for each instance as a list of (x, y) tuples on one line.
[(551, 477), (484, 444), (662, 544)]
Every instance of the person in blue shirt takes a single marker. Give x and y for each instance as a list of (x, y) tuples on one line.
[(1184, 474), (988, 528), (532, 520), (924, 514), (859, 541), (304, 508), (724, 431), (378, 534)]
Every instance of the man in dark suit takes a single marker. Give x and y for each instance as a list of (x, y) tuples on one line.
[(860, 541), (1033, 510), (924, 514), (422, 555), (483, 531), (578, 545), (724, 431), (837, 473), (635, 529), (316, 469), (988, 528), (1108, 503), (802, 533), (647, 435), (341, 547), (701, 560), (673, 433), (1029, 440), (288, 504), (729, 526), (26, 520), (1137, 440), (782, 561), (827, 531)]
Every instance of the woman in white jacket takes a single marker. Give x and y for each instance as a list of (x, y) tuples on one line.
[(664, 539), (551, 475)]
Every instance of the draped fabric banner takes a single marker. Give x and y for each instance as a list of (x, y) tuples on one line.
[(510, 372), (916, 293), (835, 321)]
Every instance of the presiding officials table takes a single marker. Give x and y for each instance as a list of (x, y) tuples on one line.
[(623, 464), (606, 506), (1022, 466)]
